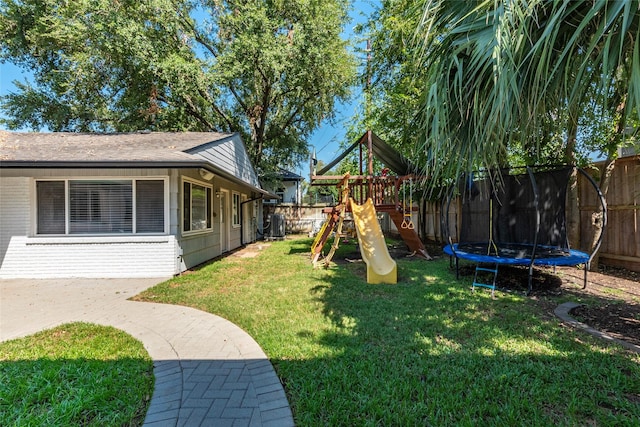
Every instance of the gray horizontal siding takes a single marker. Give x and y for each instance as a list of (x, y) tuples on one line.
[(15, 211), (197, 249), (230, 156)]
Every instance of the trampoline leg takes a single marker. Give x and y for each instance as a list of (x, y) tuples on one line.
[(586, 269), (530, 286), (451, 261)]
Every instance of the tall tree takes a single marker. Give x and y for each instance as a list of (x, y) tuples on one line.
[(494, 70), (271, 70), (393, 77)]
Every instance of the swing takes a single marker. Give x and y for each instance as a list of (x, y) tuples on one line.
[(407, 220)]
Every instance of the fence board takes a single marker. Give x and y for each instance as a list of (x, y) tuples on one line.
[(621, 241)]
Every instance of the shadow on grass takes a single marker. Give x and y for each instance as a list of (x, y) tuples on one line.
[(300, 246), (427, 351)]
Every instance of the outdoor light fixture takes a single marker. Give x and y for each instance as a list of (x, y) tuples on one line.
[(205, 174)]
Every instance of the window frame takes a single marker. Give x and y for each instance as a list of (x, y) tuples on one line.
[(236, 206), (209, 211), (67, 205)]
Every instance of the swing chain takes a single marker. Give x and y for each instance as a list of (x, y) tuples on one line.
[(407, 220)]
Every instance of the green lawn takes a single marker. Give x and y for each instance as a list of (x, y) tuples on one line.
[(77, 374), (426, 351)]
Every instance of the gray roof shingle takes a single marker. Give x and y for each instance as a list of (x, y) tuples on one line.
[(95, 147), (223, 153)]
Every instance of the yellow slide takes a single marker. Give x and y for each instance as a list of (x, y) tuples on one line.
[(381, 268)]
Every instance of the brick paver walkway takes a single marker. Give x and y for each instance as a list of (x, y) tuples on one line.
[(208, 371)]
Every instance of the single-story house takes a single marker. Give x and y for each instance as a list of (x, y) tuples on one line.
[(145, 204), (289, 189)]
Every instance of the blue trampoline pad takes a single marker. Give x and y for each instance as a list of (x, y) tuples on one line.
[(516, 254)]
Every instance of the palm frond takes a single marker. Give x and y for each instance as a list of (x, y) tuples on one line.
[(492, 71)]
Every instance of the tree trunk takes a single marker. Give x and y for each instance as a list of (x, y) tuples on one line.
[(573, 201), (597, 218), (607, 170)]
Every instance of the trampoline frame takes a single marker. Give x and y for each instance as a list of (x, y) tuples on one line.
[(573, 257)]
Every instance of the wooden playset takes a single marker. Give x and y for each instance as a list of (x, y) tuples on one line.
[(390, 192)]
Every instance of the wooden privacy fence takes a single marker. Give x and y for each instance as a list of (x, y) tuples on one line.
[(621, 242)]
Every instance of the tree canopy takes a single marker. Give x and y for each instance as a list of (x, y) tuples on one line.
[(483, 80), (270, 70)]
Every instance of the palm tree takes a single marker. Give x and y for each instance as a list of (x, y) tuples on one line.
[(494, 70)]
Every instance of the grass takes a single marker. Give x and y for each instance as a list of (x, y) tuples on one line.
[(426, 351), (76, 374)]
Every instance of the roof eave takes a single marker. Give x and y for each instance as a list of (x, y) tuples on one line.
[(102, 164), (183, 164)]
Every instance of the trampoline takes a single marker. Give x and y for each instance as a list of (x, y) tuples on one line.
[(516, 217)]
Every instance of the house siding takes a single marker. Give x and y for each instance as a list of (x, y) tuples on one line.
[(26, 255), (199, 247), (90, 257), (15, 210), (291, 192), (231, 156)]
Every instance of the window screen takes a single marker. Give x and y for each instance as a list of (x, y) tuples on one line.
[(51, 207), (100, 207), (150, 206), (198, 207), (186, 206)]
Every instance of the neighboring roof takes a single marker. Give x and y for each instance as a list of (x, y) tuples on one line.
[(222, 153), (382, 151), (286, 175)]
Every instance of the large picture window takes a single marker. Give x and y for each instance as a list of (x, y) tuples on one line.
[(100, 206), (97, 207), (196, 207)]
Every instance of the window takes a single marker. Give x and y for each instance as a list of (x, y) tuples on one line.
[(97, 207), (51, 207), (196, 207), (100, 206), (236, 210), (150, 206), (280, 193)]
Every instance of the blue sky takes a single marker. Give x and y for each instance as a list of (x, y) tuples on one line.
[(326, 139), (9, 73)]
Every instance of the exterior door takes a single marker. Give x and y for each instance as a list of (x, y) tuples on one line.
[(247, 221), (224, 221)]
